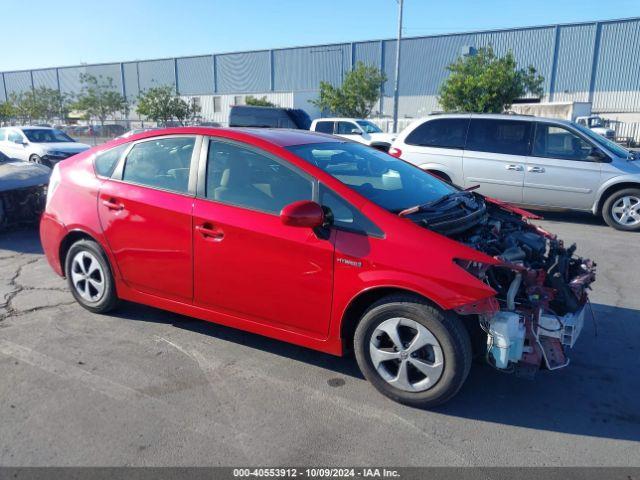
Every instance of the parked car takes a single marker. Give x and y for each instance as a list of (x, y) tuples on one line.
[(321, 242), (532, 161), (42, 145), (22, 191), (356, 129), (268, 117)]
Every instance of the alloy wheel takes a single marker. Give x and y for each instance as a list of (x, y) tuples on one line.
[(626, 211), (87, 276), (406, 354)]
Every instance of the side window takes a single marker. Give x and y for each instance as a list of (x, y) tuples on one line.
[(160, 163), (346, 128), (324, 127), (346, 216), (240, 176), (106, 162), (499, 136), (442, 133), (15, 136), (553, 141), (3, 134)]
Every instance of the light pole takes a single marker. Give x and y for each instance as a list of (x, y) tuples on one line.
[(396, 82)]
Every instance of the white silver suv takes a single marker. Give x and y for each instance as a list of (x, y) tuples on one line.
[(42, 145), (356, 129), (532, 161)]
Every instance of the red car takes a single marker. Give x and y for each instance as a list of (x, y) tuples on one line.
[(320, 242)]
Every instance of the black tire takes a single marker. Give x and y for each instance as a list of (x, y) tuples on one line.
[(108, 299), (610, 203), (446, 327)]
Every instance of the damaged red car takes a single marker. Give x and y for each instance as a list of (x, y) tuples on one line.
[(320, 242)]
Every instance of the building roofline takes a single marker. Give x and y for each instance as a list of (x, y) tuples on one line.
[(335, 44)]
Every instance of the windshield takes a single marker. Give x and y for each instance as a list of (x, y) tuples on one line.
[(368, 127), (390, 183), (46, 135), (613, 147)]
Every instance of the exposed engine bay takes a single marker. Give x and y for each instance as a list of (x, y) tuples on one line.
[(541, 285), (22, 206)]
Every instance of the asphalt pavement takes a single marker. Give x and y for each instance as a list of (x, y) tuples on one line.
[(144, 387)]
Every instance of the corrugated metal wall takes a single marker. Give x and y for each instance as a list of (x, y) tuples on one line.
[(243, 72), (592, 61)]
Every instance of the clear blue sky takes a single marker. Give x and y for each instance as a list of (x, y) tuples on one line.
[(46, 33)]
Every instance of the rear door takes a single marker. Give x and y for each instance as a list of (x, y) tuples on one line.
[(559, 172), (495, 157), (247, 263), (438, 145), (16, 145), (145, 209)]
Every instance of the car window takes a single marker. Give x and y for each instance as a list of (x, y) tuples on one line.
[(346, 128), (106, 162), (15, 136), (441, 133), (47, 135), (160, 163), (387, 181), (3, 134), (499, 136), (554, 141), (346, 216), (240, 176), (324, 127)]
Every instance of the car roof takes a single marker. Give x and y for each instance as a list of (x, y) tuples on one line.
[(497, 116), (34, 127), (337, 119), (282, 137)]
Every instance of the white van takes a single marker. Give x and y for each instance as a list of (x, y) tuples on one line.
[(532, 161)]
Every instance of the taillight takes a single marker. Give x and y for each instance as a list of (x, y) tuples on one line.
[(395, 152)]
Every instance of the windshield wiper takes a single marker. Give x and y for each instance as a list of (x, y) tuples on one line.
[(433, 203)]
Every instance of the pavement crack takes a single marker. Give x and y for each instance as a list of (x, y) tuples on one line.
[(9, 311)]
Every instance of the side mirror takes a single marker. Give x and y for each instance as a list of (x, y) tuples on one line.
[(304, 213), (597, 155), (356, 131), (19, 141)]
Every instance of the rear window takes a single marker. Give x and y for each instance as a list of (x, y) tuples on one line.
[(510, 137), (106, 162), (441, 133)]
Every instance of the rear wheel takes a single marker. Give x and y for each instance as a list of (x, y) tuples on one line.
[(413, 352), (89, 277), (622, 210)]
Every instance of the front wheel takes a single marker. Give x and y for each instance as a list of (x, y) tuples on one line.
[(89, 277), (622, 210), (413, 352), (39, 160)]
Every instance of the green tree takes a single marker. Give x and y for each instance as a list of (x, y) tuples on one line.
[(7, 111), (486, 83), (258, 102), (51, 103), (162, 104), (26, 107), (356, 97), (99, 98)]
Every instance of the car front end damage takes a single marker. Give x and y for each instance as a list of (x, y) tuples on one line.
[(23, 192), (541, 285)]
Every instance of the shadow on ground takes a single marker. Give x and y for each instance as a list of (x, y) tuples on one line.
[(597, 395)]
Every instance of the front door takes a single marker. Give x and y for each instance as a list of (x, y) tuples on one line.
[(246, 262), (16, 145), (145, 210), (559, 172), (495, 156)]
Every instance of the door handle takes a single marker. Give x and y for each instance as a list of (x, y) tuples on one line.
[(535, 169), (517, 168), (210, 232), (112, 204)]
